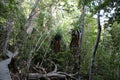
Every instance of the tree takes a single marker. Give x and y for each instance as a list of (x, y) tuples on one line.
[(54, 39), (91, 74)]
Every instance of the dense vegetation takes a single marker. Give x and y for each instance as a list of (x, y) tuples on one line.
[(58, 38)]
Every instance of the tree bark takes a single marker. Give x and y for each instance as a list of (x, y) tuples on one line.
[(91, 72)]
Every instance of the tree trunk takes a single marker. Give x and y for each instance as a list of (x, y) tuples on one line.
[(91, 72), (81, 36), (31, 21), (7, 35)]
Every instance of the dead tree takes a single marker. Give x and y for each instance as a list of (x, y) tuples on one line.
[(53, 75), (91, 73)]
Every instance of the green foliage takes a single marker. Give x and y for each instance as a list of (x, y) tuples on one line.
[(107, 61), (115, 36)]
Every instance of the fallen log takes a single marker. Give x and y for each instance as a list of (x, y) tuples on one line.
[(48, 75)]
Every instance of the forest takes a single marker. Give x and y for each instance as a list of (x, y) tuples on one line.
[(59, 39)]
